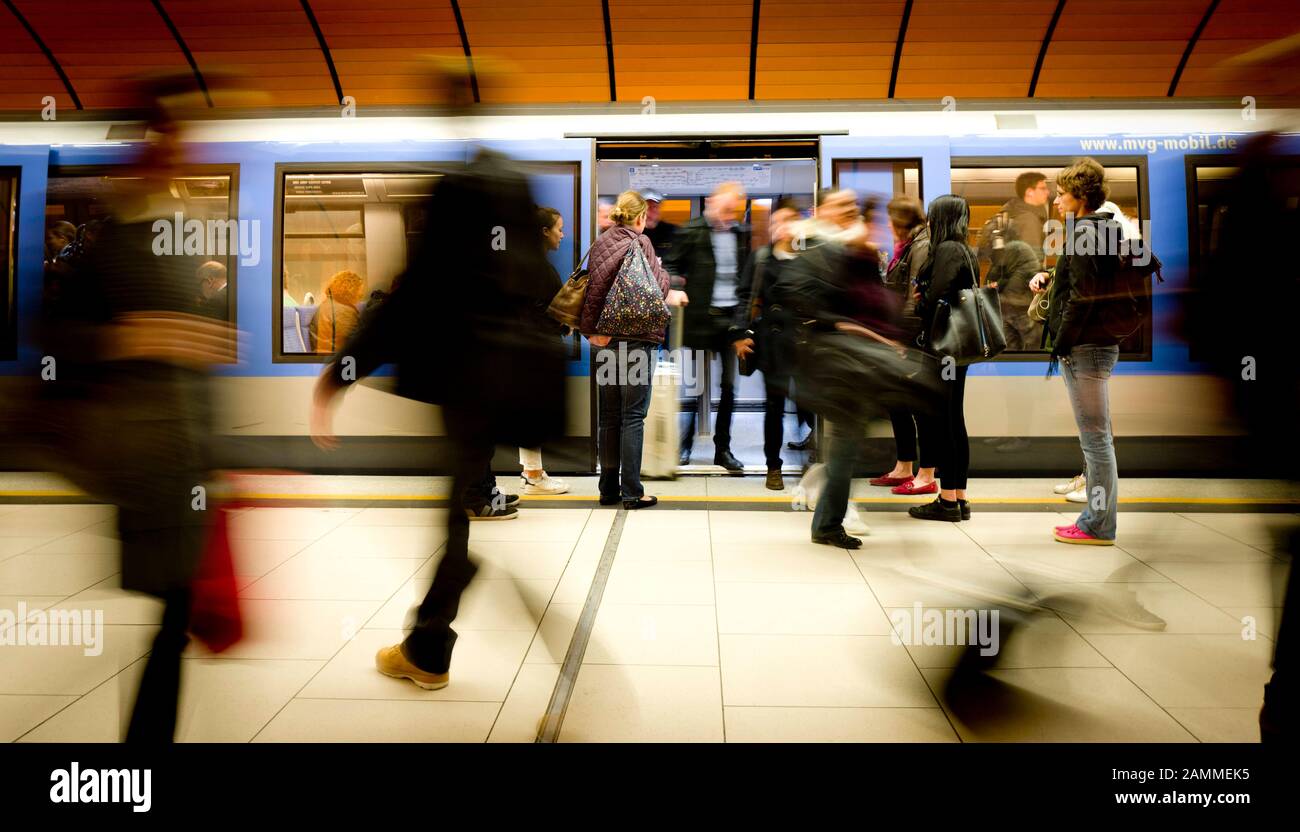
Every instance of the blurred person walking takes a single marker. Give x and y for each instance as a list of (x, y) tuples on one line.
[(497, 377), (625, 328), (834, 285), (129, 405), (1266, 397)]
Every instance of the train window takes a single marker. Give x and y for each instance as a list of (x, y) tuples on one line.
[(1209, 183), (8, 262), (345, 236), (878, 181), (1024, 191), (347, 233), (207, 240)]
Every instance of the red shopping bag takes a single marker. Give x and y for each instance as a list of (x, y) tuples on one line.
[(214, 617)]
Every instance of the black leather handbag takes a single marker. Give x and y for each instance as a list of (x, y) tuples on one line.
[(969, 329), (845, 376)]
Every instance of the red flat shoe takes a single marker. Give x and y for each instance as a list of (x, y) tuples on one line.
[(888, 480), (910, 487)]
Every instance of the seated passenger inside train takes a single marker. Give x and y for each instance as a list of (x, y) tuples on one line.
[(338, 314)]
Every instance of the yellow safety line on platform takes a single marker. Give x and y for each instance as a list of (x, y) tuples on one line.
[(700, 498)]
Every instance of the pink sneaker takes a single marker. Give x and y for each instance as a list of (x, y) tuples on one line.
[(1074, 534)]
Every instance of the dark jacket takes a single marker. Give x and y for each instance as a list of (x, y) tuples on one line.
[(483, 357), (902, 277), (827, 284), (950, 268), (1081, 281), (691, 263), (603, 264), (772, 322), (1026, 225), (662, 236), (1018, 265)]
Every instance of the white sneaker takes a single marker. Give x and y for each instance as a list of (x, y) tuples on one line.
[(545, 484), (853, 522), (1078, 496), (1073, 485)]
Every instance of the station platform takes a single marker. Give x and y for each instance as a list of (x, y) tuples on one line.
[(711, 617)]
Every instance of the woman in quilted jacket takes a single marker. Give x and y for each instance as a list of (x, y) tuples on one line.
[(624, 362)]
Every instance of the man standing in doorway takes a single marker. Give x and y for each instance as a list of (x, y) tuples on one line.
[(707, 257), (661, 233)]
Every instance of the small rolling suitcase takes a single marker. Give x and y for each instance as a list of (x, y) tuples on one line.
[(661, 450)]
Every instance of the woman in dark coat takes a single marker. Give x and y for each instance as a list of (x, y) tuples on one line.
[(950, 267), (912, 249)]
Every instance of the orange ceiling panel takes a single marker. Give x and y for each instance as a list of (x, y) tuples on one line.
[(676, 51), (109, 43), (1240, 27), (1118, 48), (270, 42), (26, 76), (549, 52), (971, 48), (555, 51), (380, 48), (826, 50)]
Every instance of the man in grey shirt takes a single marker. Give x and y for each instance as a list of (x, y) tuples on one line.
[(707, 259)]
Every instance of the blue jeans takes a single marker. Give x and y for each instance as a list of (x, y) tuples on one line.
[(1087, 370), (846, 441), (624, 372)]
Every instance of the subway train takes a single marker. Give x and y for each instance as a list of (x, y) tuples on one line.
[(285, 205)]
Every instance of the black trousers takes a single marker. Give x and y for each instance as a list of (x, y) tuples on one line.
[(774, 424), (904, 435), (721, 344), (153, 719), (430, 643), (945, 432)]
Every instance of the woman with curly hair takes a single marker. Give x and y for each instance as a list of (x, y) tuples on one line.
[(1087, 351), (337, 315)]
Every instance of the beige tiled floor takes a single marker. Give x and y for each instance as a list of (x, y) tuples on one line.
[(714, 626)]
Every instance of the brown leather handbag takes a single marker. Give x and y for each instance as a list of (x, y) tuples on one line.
[(566, 306)]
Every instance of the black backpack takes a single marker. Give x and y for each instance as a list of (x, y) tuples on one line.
[(1120, 310)]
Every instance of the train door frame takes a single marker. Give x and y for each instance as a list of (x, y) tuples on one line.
[(727, 150)]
